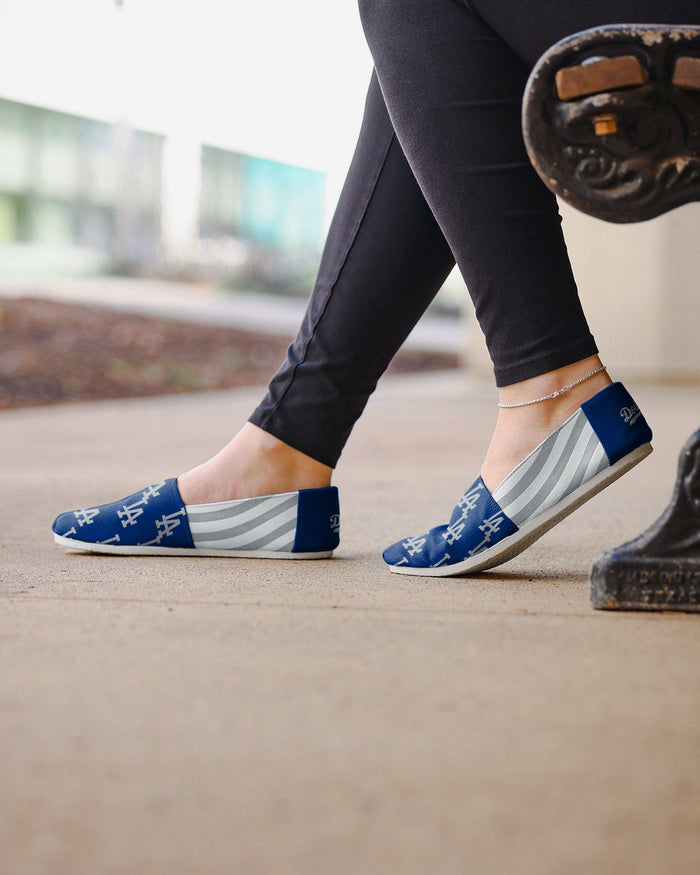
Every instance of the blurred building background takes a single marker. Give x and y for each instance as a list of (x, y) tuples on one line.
[(141, 137), (78, 191), (209, 141)]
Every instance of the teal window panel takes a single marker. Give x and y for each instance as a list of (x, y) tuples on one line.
[(282, 206)]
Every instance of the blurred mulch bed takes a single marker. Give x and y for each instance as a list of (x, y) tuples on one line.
[(52, 352)]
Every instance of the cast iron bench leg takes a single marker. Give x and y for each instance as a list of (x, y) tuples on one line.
[(611, 120), (659, 570)]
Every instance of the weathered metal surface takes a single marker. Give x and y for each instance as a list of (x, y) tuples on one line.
[(687, 73), (599, 74), (659, 570), (644, 158)]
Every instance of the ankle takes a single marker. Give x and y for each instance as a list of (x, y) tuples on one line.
[(521, 428), (254, 463), (270, 460), (548, 396)]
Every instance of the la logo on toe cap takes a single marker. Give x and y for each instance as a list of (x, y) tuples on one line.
[(477, 523), (153, 517)]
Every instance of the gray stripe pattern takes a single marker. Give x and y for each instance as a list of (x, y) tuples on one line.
[(565, 460), (265, 523)]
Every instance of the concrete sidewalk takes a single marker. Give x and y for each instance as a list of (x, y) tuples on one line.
[(242, 716)]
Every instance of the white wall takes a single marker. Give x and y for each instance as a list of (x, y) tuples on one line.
[(640, 289)]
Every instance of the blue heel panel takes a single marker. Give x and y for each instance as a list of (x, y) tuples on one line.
[(318, 521), (617, 421)]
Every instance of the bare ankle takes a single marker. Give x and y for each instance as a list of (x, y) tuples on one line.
[(522, 425), (558, 390), (253, 463)]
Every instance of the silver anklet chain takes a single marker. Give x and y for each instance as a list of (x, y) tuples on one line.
[(558, 391)]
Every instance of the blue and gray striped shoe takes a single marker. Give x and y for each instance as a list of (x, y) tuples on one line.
[(156, 522), (598, 443)]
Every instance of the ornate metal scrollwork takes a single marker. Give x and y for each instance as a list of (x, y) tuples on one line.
[(618, 146)]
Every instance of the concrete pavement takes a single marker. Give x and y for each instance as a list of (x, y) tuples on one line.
[(237, 716)]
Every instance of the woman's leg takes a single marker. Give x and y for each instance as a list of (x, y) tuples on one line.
[(453, 89), (533, 26), (384, 261), (453, 73), (477, 96)]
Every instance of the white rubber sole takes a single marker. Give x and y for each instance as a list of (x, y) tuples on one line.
[(536, 527), (76, 546)]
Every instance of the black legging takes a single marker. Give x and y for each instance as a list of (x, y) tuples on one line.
[(440, 174)]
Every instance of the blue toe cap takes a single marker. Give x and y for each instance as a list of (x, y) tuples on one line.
[(155, 516), (477, 523)]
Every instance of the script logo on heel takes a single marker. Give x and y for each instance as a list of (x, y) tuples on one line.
[(630, 414)]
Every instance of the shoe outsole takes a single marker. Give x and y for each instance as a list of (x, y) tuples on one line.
[(76, 546), (514, 544)]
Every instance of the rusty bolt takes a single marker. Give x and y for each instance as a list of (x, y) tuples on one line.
[(605, 124)]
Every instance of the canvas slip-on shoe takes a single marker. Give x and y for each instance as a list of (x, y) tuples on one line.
[(598, 443), (156, 522)]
